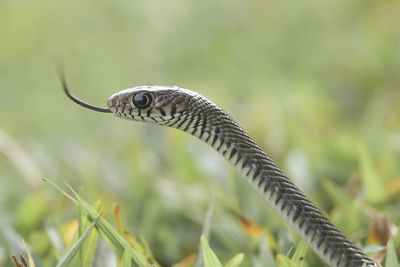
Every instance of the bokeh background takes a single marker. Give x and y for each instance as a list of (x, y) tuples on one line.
[(316, 84)]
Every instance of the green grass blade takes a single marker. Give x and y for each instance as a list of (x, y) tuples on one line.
[(210, 259), (59, 189), (205, 231), (74, 249), (89, 247), (372, 182), (116, 241), (126, 260), (397, 239), (86, 254), (148, 252), (300, 253), (110, 235), (235, 261), (391, 257), (284, 261)]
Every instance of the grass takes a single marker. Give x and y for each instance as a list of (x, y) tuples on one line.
[(316, 85), (81, 246), (81, 238)]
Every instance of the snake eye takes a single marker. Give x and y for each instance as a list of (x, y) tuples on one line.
[(142, 99)]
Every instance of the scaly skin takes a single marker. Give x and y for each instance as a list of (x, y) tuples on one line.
[(191, 112)]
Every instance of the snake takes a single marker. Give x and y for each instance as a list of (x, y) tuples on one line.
[(193, 113)]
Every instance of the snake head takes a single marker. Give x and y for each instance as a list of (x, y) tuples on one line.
[(149, 103), (159, 104)]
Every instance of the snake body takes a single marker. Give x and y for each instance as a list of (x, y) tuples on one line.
[(193, 113)]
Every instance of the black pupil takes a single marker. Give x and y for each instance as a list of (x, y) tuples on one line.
[(142, 99)]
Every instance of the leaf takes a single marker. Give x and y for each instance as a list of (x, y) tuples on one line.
[(117, 242), (206, 230), (147, 252), (284, 261), (126, 260), (59, 189), (117, 217), (110, 235), (134, 243), (300, 254), (74, 249), (210, 259), (297, 259), (235, 261), (87, 250), (391, 258), (397, 239), (89, 247), (372, 183)]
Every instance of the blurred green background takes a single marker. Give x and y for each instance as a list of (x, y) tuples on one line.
[(316, 84)]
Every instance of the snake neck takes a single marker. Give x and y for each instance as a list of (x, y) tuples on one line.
[(211, 124)]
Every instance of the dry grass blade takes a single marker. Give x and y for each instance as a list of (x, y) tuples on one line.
[(23, 262), (28, 253)]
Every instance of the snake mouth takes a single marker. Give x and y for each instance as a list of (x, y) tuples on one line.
[(118, 108), (113, 102)]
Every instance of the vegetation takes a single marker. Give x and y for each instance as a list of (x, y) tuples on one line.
[(315, 84)]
